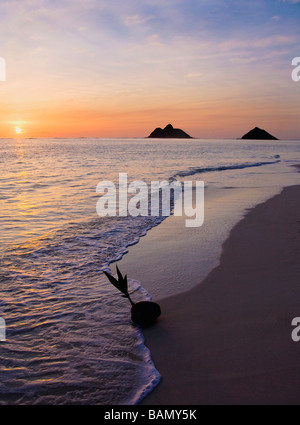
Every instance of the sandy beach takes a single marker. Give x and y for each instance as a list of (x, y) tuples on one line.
[(228, 340)]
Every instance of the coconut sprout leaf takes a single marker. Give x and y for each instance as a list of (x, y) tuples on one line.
[(120, 276), (112, 280), (122, 281), (126, 284), (116, 283)]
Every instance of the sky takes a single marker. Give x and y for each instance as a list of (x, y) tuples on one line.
[(115, 68)]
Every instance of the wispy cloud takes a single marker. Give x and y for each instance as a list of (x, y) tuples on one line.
[(137, 19), (257, 43), (131, 54)]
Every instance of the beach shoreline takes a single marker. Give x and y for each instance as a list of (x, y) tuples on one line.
[(228, 339)]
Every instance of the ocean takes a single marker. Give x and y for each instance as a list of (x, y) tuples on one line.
[(69, 337)]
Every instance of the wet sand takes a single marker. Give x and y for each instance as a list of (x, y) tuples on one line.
[(228, 340)]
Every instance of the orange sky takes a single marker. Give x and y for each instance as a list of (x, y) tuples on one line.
[(99, 69)]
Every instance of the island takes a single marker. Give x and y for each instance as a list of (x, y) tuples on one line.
[(259, 134), (169, 132)]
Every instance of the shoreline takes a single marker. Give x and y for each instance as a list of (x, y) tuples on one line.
[(228, 339), (172, 258)]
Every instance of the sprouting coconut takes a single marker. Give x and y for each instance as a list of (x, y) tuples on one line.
[(143, 313)]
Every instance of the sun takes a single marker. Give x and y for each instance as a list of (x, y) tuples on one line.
[(18, 130)]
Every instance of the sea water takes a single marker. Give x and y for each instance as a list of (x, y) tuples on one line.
[(69, 337)]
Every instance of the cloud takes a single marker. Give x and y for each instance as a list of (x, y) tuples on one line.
[(137, 19), (256, 43), (136, 48), (290, 1)]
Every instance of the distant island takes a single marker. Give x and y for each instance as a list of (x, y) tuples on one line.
[(259, 134), (169, 132)]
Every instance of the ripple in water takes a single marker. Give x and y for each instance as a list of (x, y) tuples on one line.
[(69, 334)]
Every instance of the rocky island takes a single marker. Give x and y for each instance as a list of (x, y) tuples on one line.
[(259, 134), (169, 132)]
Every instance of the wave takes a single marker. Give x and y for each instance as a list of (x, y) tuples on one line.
[(62, 312), (199, 170)]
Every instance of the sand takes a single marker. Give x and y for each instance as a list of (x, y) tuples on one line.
[(228, 340), (173, 258)]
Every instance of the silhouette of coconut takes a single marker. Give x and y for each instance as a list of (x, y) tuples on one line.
[(145, 313)]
